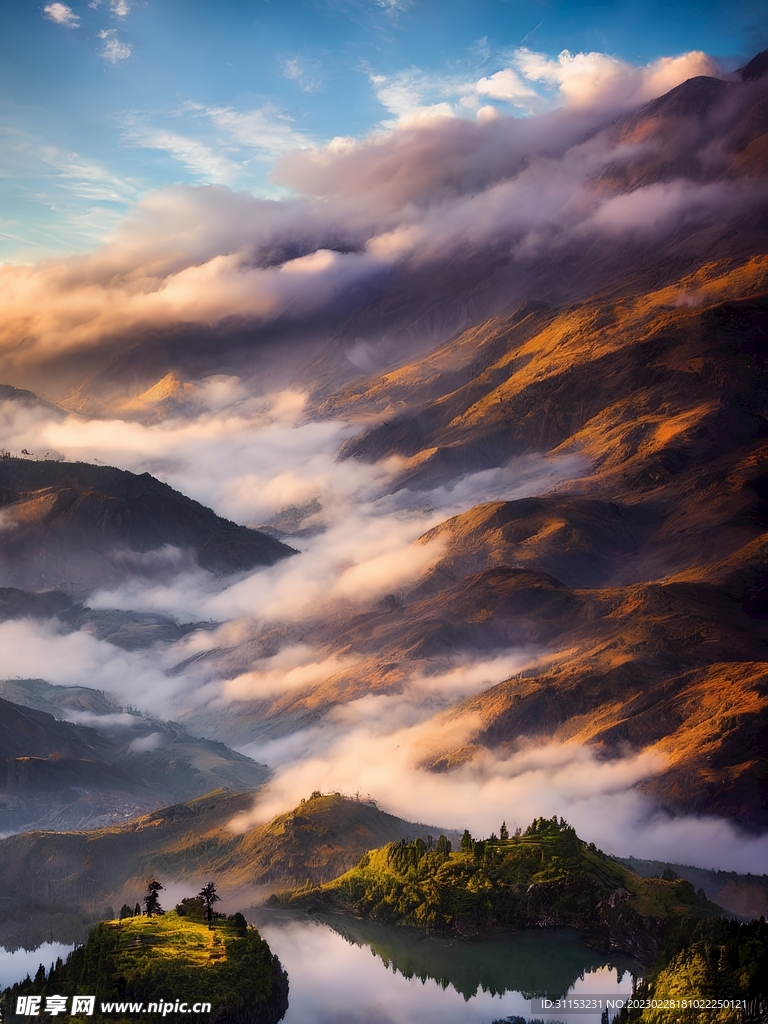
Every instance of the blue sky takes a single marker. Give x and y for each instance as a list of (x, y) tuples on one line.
[(102, 102)]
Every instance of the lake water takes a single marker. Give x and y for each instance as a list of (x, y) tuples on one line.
[(353, 972), (343, 971), (18, 963)]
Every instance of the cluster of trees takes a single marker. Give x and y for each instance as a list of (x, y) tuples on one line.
[(405, 855), (711, 959), (538, 828), (545, 876), (205, 899), (247, 986)]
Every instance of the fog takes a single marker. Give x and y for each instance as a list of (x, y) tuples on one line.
[(432, 215), (250, 459)]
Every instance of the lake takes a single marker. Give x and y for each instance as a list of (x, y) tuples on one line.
[(18, 963), (344, 971)]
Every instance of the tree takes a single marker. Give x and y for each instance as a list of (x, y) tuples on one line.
[(151, 900), (467, 842), (125, 911), (503, 831), (137, 911), (209, 896)]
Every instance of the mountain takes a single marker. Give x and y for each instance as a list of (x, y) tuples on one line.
[(61, 775), (74, 875), (124, 628), (75, 527), (546, 877), (638, 578), (742, 895)]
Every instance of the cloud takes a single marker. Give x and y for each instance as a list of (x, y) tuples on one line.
[(294, 667), (509, 86), (380, 220), (114, 49), (87, 179), (375, 746), (62, 14), (200, 159), (306, 74), (532, 82), (415, 98), (120, 8), (219, 143), (589, 79), (249, 458)]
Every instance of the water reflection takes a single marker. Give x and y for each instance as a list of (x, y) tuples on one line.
[(354, 972), (535, 963), (16, 964)]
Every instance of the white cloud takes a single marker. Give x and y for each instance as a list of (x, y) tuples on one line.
[(86, 179), (533, 82), (264, 130), (120, 8), (415, 97), (62, 14), (507, 85), (306, 74), (200, 159), (114, 49), (590, 79)]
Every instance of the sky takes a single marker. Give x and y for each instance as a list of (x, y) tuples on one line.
[(104, 102)]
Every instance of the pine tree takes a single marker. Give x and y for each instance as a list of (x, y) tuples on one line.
[(209, 896), (503, 831), (151, 900)]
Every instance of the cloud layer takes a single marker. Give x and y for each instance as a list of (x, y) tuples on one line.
[(430, 215)]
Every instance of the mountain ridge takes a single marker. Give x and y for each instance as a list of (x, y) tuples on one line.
[(76, 526)]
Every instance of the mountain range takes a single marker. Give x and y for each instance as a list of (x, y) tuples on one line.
[(74, 759), (620, 377)]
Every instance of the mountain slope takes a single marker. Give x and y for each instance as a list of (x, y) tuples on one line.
[(74, 526), (64, 775), (81, 872), (653, 554)]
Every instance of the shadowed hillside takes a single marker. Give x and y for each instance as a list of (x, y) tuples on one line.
[(82, 872), (63, 775), (74, 526)]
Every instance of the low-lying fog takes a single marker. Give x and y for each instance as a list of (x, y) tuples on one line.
[(260, 461)]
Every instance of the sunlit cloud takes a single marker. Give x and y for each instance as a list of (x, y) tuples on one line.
[(62, 14)]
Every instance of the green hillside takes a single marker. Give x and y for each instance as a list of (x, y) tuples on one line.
[(545, 877), (721, 968), (170, 957)]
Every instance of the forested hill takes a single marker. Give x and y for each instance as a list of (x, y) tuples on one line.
[(145, 959), (545, 877)]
